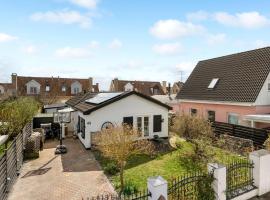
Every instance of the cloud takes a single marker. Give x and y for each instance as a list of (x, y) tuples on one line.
[(167, 49), (214, 39), (63, 17), (186, 66), (31, 49), (250, 20), (172, 29), (115, 44), (94, 44), (89, 4), (198, 16), (73, 53), (6, 38)]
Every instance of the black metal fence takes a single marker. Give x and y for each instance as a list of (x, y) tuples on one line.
[(142, 195), (11, 161), (195, 186), (239, 178), (258, 136)]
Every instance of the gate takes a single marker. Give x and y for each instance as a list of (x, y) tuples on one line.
[(195, 186), (239, 178)]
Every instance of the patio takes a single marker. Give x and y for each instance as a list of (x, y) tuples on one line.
[(75, 175)]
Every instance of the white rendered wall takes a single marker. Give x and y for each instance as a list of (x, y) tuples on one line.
[(264, 95), (130, 106)]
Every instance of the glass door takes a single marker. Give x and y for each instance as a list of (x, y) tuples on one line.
[(143, 125)]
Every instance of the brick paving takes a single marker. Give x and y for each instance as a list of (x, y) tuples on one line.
[(72, 176)]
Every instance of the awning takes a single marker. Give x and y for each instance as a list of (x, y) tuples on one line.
[(265, 118)]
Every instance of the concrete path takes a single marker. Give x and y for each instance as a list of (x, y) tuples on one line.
[(72, 176)]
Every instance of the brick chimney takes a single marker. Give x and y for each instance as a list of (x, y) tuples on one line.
[(14, 81), (115, 82), (90, 84), (164, 86)]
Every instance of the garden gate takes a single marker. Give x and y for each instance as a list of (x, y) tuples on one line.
[(239, 178)]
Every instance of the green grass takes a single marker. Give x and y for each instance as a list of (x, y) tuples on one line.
[(2, 147), (168, 165)]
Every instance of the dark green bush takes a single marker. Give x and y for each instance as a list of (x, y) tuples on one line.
[(129, 188), (111, 168)]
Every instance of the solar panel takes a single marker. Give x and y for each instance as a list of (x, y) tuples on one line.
[(101, 97)]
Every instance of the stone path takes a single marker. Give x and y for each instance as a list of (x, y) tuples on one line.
[(72, 176)]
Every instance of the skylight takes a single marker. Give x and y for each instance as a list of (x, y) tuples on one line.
[(213, 83), (101, 97)]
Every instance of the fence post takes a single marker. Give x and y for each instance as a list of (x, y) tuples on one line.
[(261, 172), (158, 188), (219, 185)]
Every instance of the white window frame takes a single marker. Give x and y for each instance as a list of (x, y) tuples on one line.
[(31, 92), (233, 114), (63, 88), (47, 88), (142, 123), (213, 83)]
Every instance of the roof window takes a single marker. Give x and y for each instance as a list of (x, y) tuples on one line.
[(213, 83)]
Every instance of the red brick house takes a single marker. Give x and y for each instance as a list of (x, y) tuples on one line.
[(47, 86), (146, 87), (229, 88)]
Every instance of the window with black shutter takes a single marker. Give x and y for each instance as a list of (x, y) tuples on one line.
[(83, 128), (157, 123), (128, 121), (78, 125)]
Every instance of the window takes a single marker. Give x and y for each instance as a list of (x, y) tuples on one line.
[(233, 118), (268, 86), (47, 88), (211, 116), (81, 126), (193, 111), (143, 125), (76, 90), (33, 90), (157, 123), (213, 83), (63, 88), (128, 121)]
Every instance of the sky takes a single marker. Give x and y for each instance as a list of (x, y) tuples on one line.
[(152, 40)]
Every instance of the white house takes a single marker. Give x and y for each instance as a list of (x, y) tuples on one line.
[(95, 111)]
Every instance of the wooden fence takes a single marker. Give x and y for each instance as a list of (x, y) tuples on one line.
[(11, 162), (258, 136)]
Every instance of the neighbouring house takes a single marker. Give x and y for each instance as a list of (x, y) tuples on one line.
[(47, 86), (52, 108), (230, 88), (168, 100), (146, 87), (94, 112), (176, 87)]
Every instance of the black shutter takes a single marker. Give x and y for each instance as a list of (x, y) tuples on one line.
[(157, 123), (128, 121), (79, 125)]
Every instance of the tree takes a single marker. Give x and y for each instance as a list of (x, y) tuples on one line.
[(120, 143), (197, 131), (16, 113)]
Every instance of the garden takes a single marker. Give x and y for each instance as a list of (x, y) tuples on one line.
[(191, 146)]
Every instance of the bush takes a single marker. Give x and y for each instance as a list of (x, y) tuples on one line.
[(129, 188), (111, 168)]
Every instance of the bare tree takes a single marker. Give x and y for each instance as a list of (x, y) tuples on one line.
[(120, 143)]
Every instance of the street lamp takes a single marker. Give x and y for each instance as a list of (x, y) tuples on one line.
[(61, 117)]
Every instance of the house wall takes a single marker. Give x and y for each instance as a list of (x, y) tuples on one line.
[(130, 106), (264, 95), (223, 110)]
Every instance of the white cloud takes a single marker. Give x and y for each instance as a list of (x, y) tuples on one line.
[(261, 43), (197, 16), (94, 44), (250, 20), (73, 53), (89, 4), (115, 44), (214, 39), (185, 66), (167, 49), (6, 38), (31, 49), (63, 17), (172, 29)]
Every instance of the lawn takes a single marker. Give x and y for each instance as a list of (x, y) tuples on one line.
[(168, 165)]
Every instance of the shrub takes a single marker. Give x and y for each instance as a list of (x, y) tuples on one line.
[(111, 168), (129, 188)]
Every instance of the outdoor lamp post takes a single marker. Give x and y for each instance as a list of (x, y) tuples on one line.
[(61, 117)]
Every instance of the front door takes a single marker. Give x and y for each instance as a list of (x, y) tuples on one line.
[(143, 125)]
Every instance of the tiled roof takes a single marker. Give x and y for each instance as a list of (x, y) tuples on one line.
[(241, 77), (140, 86), (79, 103)]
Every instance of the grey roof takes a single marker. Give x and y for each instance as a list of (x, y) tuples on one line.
[(241, 77)]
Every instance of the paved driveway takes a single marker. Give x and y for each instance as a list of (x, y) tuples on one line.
[(72, 176)]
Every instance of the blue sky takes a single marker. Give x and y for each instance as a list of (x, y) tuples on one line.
[(142, 40)]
